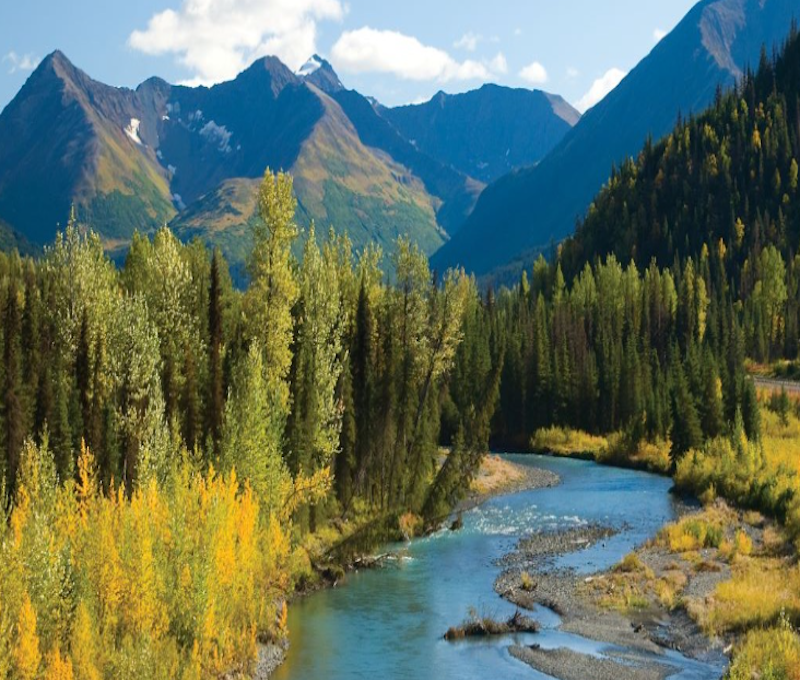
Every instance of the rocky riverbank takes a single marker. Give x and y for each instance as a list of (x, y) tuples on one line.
[(655, 600), (566, 664), (270, 656)]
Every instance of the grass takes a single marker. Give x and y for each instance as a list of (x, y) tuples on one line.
[(527, 582), (496, 475), (630, 564), (627, 587), (643, 455), (485, 626), (691, 534)]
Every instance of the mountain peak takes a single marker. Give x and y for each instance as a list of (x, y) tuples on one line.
[(319, 72), (56, 57), (58, 64), (278, 73)]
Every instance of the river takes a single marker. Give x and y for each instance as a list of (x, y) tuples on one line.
[(388, 624)]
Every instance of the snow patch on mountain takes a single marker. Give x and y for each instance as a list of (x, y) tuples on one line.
[(217, 134), (311, 66), (133, 130)]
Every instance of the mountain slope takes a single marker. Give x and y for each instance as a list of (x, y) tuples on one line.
[(458, 191), (355, 185), (339, 182), (529, 208), (488, 132), (63, 141)]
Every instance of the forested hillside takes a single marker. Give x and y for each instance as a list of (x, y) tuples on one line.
[(722, 187), (631, 344)]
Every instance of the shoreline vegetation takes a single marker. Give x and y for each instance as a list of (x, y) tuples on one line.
[(617, 449), (717, 574)]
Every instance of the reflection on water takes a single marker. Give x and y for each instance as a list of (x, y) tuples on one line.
[(388, 624)]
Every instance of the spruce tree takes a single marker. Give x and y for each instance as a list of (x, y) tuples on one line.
[(13, 416), (216, 390)]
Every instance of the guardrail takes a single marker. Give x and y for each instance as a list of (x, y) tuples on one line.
[(792, 386)]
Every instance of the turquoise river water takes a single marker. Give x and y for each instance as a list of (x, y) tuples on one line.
[(388, 624)]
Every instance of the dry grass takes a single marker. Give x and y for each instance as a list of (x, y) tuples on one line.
[(630, 564), (496, 475), (627, 587), (691, 534), (769, 654), (485, 626), (526, 581), (653, 456), (759, 592), (669, 588), (616, 449), (410, 525)]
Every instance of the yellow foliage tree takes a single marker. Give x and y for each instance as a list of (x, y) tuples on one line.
[(58, 667), (27, 657), (84, 646)]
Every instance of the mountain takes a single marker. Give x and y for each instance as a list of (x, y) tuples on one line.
[(272, 117), (11, 240), (68, 138), (135, 159), (527, 209), (488, 132)]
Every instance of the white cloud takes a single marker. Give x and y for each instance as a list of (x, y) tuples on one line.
[(468, 41), (659, 34), (217, 39), (534, 73), (572, 73), (499, 64), (600, 88), (517, 32), (367, 50), (20, 62)]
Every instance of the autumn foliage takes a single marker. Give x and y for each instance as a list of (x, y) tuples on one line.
[(176, 580)]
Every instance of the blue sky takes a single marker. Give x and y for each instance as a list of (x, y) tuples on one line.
[(400, 52)]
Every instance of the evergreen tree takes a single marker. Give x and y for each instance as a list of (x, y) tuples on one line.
[(13, 417), (686, 432), (216, 392)]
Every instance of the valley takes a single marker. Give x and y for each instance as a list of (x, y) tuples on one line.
[(391, 362)]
